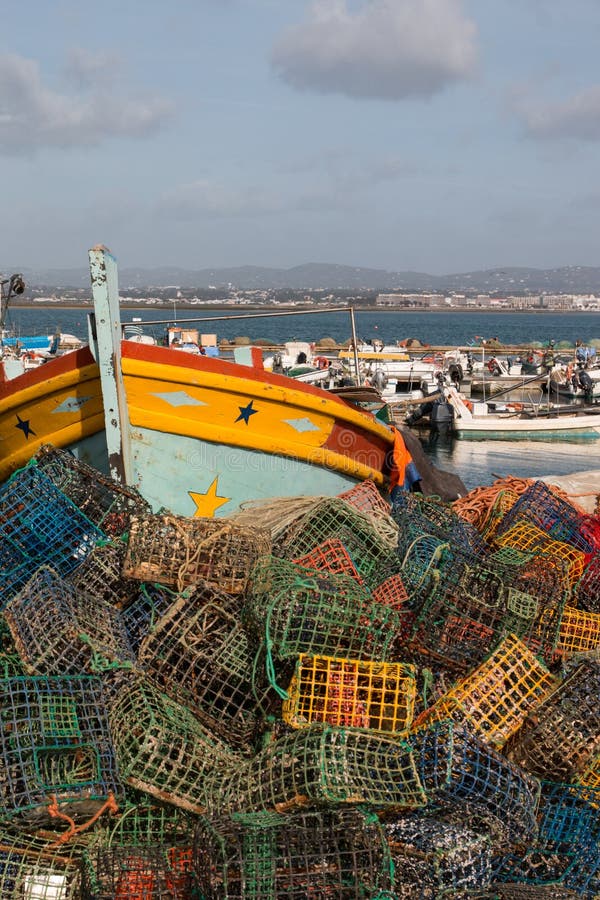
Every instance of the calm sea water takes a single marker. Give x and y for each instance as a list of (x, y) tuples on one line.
[(477, 462), (437, 328)]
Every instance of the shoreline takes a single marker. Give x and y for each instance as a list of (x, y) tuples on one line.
[(184, 307)]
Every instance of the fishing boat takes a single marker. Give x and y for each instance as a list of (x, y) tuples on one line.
[(513, 422), (196, 434)]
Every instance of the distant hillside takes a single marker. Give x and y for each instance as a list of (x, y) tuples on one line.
[(311, 276)]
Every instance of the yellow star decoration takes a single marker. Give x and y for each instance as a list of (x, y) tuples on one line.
[(207, 504)]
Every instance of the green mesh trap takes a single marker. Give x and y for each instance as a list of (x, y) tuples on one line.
[(370, 546), (161, 747), (436, 857), (177, 551), (328, 854), (466, 608), (563, 736), (297, 610), (199, 653), (100, 576), (34, 867), (142, 614), (459, 770), (57, 630), (520, 891), (322, 764), (105, 502), (146, 853), (55, 749)]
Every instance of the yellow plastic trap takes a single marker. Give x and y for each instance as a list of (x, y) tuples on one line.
[(529, 538), (351, 693), (497, 696), (579, 631)]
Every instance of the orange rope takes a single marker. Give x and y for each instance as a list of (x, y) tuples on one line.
[(475, 506), (109, 806)]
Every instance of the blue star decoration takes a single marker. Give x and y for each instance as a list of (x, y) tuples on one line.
[(246, 412), (23, 424)]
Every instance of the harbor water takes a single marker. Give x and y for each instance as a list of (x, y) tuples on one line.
[(476, 462)]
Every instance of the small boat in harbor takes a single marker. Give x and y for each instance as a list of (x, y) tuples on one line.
[(196, 434), (513, 422)]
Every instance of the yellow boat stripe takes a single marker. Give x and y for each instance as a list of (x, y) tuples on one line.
[(248, 387)]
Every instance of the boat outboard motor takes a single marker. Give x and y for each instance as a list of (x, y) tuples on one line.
[(379, 379), (586, 385), (277, 366)]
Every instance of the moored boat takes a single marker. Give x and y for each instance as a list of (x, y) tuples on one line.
[(475, 421), (198, 435)]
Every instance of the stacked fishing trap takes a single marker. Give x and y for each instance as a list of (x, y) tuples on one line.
[(318, 697)]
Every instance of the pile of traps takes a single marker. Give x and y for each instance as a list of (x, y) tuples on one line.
[(316, 698)]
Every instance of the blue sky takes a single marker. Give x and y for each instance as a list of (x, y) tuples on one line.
[(428, 135)]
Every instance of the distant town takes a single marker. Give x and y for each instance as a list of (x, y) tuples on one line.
[(228, 295)]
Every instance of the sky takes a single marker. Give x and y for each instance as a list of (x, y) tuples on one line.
[(438, 136)]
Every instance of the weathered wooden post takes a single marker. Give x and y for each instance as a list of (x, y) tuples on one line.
[(105, 341)]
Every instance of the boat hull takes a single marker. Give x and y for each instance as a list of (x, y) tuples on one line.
[(587, 429), (204, 434)]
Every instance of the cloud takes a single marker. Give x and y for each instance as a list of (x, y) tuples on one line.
[(577, 117), (35, 116), (204, 197), (387, 50)]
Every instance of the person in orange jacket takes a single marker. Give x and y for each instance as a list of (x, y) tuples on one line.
[(404, 475)]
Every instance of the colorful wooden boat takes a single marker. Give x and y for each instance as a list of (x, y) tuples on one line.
[(195, 434)]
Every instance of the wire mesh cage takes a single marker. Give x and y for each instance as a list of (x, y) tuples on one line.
[(42, 524), (161, 747), (105, 502), (494, 699), (552, 514), (430, 515), (534, 867), (100, 576), (370, 546), (57, 630), (520, 891), (391, 592), (145, 855), (10, 661), (470, 607), (568, 816), (579, 632), (320, 854), (586, 593), (563, 737), (457, 768), (34, 867), (434, 855), (200, 654), (140, 617), (57, 757), (365, 497), (526, 536), (322, 764), (177, 551), (504, 502), (297, 610), (351, 693), (330, 556)]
